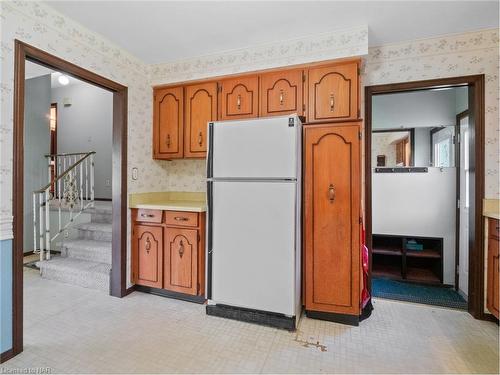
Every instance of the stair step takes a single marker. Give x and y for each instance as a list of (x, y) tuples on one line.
[(90, 250), (95, 231), (93, 275)]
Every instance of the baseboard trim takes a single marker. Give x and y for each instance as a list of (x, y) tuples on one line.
[(5, 356), (352, 320), (260, 317), (169, 294)]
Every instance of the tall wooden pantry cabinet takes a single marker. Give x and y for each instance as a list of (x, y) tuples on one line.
[(332, 194)]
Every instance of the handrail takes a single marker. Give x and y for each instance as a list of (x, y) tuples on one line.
[(68, 154), (66, 171)]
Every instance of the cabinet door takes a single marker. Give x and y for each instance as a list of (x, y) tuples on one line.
[(240, 98), (147, 246), (168, 121), (181, 260), (201, 107), (281, 93), (492, 300), (332, 209), (333, 93)]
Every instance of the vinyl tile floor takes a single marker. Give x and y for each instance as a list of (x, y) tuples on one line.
[(69, 329)]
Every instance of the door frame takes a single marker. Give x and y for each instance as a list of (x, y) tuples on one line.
[(477, 110), (458, 156), (25, 52)]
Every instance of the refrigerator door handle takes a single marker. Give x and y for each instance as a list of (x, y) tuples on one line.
[(210, 153), (210, 214)]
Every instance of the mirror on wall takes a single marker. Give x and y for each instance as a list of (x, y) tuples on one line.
[(414, 147)]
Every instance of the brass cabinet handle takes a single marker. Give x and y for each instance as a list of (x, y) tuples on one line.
[(181, 249), (332, 102), (281, 97), (168, 140), (200, 138), (148, 245), (180, 218), (238, 101), (147, 215), (331, 193)]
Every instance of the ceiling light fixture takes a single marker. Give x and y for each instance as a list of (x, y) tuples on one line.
[(63, 80)]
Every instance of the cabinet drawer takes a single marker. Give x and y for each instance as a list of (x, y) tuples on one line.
[(148, 216), (185, 219), (494, 228)]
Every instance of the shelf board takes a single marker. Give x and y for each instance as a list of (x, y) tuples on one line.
[(422, 275), (426, 253), (389, 271), (387, 251)]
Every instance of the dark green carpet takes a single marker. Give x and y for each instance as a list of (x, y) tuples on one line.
[(429, 295)]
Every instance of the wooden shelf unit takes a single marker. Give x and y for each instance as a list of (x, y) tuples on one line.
[(392, 259)]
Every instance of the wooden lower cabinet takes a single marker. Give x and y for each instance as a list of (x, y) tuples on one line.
[(180, 259), (147, 245), (332, 218), (169, 254), (492, 299)]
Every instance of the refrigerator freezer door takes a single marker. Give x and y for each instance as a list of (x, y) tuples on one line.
[(254, 245), (257, 148)]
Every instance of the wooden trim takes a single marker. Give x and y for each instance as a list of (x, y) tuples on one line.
[(5, 356), (25, 52), (248, 74), (476, 107)]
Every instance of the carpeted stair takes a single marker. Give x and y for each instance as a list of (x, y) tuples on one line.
[(86, 260)]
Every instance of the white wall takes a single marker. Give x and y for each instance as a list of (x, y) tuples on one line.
[(418, 204), (86, 125), (36, 146)]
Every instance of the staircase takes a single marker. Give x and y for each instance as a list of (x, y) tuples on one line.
[(86, 260)]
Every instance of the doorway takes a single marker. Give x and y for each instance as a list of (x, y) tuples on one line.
[(24, 53), (447, 159)]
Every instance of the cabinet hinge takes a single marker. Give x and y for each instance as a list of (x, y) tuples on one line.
[(197, 287), (359, 71), (219, 87), (199, 237), (360, 136), (303, 107), (360, 220), (359, 113), (303, 77)]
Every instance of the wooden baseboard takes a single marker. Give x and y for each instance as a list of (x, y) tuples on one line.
[(5, 356)]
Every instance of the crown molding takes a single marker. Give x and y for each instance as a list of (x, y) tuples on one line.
[(320, 47)]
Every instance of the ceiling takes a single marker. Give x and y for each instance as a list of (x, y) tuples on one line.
[(165, 31), (33, 70)]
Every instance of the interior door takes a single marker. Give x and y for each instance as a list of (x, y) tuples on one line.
[(463, 260), (254, 250)]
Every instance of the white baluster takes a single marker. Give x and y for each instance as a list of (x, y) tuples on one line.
[(40, 225), (47, 221), (34, 223)]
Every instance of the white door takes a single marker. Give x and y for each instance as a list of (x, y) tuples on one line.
[(253, 246), (256, 148), (463, 267)]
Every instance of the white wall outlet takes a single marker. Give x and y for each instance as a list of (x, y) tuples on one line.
[(135, 173), (66, 234), (108, 182)]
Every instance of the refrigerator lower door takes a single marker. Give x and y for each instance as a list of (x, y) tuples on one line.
[(254, 245)]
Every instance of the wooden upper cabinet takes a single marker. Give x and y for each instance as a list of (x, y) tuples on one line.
[(282, 93), (147, 255), (332, 211), (201, 108), (168, 123), (240, 98), (181, 260), (333, 93)]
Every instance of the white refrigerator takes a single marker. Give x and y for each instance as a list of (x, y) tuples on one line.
[(254, 215)]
